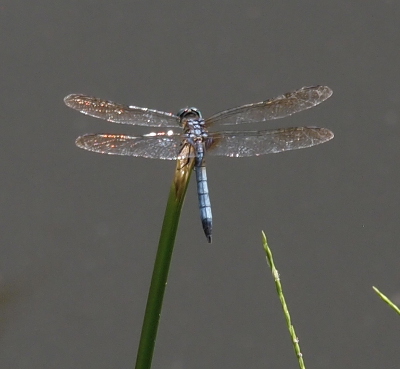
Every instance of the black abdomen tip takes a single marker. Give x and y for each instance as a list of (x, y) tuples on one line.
[(207, 226)]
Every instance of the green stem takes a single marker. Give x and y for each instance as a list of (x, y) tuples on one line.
[(161, 264), (279, 290), (387, 300)]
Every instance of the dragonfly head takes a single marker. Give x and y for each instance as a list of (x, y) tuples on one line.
[(189, 113)]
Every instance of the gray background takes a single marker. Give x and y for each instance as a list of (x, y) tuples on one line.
[(79, 230)]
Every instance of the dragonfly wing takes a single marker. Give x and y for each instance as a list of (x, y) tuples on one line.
[(279, 107), (255, 143), (118, 113), (153, 146)]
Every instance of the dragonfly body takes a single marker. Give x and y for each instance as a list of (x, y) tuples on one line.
[(195, 141), (197, 136)]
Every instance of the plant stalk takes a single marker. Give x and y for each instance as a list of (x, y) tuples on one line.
[(162, 263)]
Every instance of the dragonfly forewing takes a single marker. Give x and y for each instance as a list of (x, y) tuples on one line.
[(255, 143), (118, 113), (279, 107)]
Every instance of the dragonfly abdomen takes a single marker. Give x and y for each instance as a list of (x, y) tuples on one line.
[(204, 199)]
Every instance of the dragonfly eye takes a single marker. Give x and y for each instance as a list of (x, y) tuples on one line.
[(187, 113)]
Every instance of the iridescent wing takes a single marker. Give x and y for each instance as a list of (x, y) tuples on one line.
[(230, 143), (279, 107), (255, 143), (152, 146), (118, 113)]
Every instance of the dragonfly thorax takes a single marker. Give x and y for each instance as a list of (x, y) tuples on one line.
[(193, 124), (194, 130)]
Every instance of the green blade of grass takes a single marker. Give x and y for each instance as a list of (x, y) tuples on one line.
[(162, 263), (386, 299), (278, 285)]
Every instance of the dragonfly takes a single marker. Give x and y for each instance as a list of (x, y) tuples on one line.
[(195, 141)]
